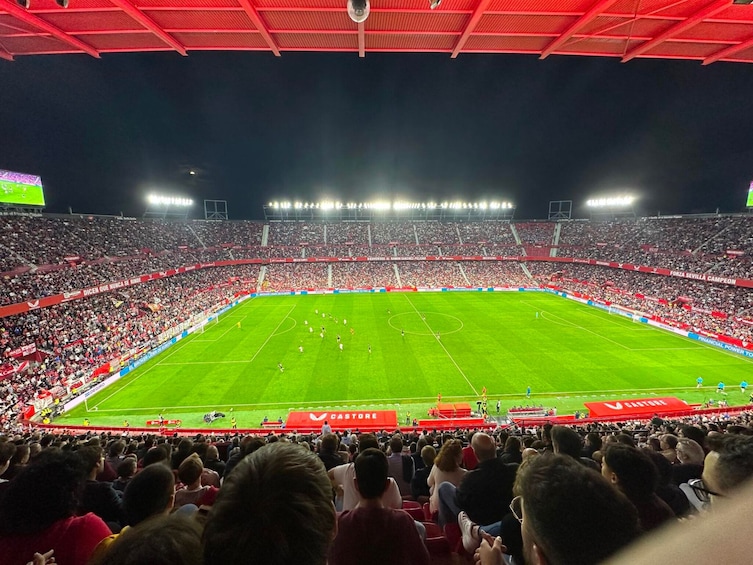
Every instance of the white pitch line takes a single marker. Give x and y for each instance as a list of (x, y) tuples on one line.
[(388, 401), (578, 326), (272, 334), (439, 341), (185, 341)]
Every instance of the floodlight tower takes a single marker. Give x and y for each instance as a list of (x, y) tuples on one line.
[(611, 207), (161, 206)]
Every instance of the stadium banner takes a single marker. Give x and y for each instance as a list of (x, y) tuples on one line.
[(93, 390), (726, 346), (635, 407), (343, 420), (23, 351)]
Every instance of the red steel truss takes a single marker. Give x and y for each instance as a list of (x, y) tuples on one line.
[(702, 30)]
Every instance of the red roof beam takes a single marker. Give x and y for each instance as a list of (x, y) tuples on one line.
[(727, 51), (25, 16), (361, 40), (150, 24), (576, 26), (472, 23), (696, 18), (251, 12)]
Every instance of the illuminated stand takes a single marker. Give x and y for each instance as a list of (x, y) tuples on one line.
[(611, 207), (386, 210), (164, 207), (215, 210)]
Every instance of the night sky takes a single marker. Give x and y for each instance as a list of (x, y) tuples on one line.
[(103, 133)]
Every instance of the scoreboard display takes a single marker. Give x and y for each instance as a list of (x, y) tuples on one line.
[(20, 189)]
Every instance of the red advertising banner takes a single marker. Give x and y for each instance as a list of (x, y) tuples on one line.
[(635, 407), (341, 420), (23, 351)]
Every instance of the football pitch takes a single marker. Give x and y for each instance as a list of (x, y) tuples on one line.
[(270, 355)]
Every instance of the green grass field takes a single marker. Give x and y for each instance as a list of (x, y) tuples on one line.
[(454, 344)]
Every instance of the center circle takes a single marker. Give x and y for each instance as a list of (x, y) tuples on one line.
[(425, 323)]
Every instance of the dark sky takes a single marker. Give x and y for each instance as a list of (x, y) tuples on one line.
[(101, 133)]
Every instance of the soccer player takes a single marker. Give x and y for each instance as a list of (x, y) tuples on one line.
[(439, 397), (483, 391), (161, 420), (699, 382), (402, 333), (720, 387), (300, 348), (498, 406), (86, 421), (537, 315), (528, 392), (238, 324), (279, 366), (743, 386), (352, 331), (439, 335), (341, 346), (369, 349), (345, 322), (234, 423), (311, 329), (338, 338), (305, 322), (126, 424)]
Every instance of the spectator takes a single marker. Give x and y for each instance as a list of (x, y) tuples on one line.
[(600, 520), (371, 533), (274, 508), (636, 476), (446, 469), (401, 466), (38, 512)]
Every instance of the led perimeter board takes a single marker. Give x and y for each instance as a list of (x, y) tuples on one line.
[(20, 189)]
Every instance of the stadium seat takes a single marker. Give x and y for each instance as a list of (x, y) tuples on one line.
[(436, 542), (414, 509)]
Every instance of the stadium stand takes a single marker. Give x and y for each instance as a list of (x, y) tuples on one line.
[(200, 265)]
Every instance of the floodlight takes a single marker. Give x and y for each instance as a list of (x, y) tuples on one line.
[(358, 10), (24, 3), (64, 4)]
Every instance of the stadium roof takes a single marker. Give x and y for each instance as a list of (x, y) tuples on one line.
[(704, 30)]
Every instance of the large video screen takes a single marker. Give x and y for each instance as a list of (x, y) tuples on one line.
[(750, 195), (21, 189)]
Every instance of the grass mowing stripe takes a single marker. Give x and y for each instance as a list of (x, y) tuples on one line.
[(439, 341)]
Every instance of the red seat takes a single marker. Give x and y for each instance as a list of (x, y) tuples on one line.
[(428, 516), (414, 509), (436, 543)]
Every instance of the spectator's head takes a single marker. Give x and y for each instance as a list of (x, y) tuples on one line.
[(46, 491), (150, 492), (667, 441), (396, 444), (156, 455), (594, 440), (126, 468), (729, 463), (450, 455), (160, 540), (570, 514), (689, 452), (483, 446), (329, 443), (371, 469), (93, 459), (695, 433), (274, 508), (566, 441), (367, 441), (190, 469), (512, 445), (631, 470), (428, 455), (117, 448)]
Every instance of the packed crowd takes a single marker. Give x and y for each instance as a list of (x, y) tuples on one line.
[(43, 255), (550, 494), (75, 337), (717, 308)]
